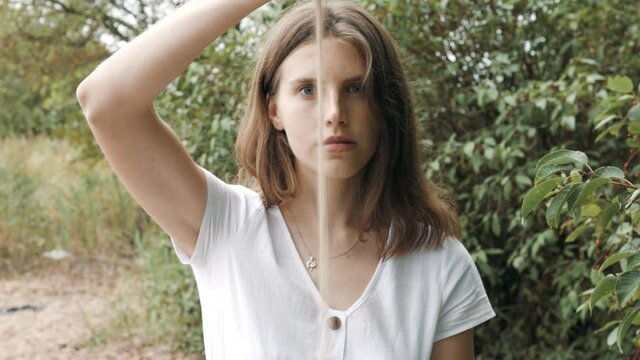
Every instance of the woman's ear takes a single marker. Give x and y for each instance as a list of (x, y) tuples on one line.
[(273, 113)]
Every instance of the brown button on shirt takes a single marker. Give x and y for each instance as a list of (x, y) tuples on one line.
[(334, 322)]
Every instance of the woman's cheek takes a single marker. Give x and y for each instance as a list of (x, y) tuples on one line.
[(298, 144)]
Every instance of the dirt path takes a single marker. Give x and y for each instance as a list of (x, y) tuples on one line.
[(67, 306)]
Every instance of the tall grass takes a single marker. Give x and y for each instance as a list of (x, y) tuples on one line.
[(50, 199), (158, 301), (172, 310)]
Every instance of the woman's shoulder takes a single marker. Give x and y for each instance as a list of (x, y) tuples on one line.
[(448, 245), (232, 198), (451, 251), (454, 251), (454, 246), (233, 186)]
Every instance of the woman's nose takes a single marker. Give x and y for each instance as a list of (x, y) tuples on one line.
[(334, 111)]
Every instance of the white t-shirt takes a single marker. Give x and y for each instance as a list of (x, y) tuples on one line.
[(259, 302)]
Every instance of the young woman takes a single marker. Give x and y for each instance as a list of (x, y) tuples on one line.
[(402, 285)]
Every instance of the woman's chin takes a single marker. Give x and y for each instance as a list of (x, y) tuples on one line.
[(336, 170), (342, 173)]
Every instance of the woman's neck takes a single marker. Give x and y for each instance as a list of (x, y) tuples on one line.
[(342, 201), (343, 208)]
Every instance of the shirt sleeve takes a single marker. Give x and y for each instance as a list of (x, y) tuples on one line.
[(227, 207), (464, 300)]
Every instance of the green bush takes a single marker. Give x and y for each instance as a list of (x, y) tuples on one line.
[(496, 86), (602, 209)]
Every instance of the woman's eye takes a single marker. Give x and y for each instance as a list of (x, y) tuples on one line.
[(355, 88), (309, 90), (306, 90)]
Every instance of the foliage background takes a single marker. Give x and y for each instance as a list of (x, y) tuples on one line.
[(498, 84)]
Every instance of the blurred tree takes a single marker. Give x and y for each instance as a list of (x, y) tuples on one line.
[(48, 47)]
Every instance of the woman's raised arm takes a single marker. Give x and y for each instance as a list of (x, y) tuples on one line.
[(134, 75), (117, 100)]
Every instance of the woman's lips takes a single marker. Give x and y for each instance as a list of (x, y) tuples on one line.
[(340, 147)]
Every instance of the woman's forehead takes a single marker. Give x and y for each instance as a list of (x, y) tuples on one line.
[(341, 62)]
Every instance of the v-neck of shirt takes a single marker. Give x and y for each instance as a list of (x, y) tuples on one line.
[(309, 281)]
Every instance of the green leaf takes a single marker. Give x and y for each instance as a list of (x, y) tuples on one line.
[(590, 210), (605, 286), (523, 180), (610, 172), (620, 84), (594, 77), (632, 198), (495, 224), (604, 116), (611, 130), (624, 197), (467, 149), (577, 232), (611, 210), (634, 113), (634, 127), (614, 259), (488, 153), (584, 305), (607, 326), (562, 157), (604, 121), (635, 217), (569, 122), (612, 106), (537, 194), (590, 187), (624, 326), (595, 276), (545, 171), (553, 211), (633, 261), (576, 189), (611, 338), (627, 286)]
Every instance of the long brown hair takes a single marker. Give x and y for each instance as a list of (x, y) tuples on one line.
[(395, 187)]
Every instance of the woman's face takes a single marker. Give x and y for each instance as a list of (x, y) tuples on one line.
[(294, 109)]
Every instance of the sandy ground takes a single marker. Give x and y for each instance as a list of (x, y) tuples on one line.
[(73, 302)]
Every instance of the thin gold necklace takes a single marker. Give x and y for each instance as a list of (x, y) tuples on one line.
[(312, 263)]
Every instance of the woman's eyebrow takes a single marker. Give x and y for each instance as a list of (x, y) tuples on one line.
[(308, 80)]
